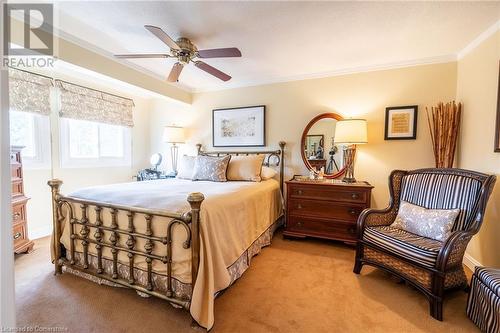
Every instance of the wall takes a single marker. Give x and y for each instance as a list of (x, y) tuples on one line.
[(477, 87), (290, 106), (35, 185)]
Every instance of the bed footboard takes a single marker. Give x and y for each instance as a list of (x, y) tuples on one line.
[(65, 208)]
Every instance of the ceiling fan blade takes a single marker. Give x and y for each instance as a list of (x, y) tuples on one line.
[(219, 53), (162, 35), (139, 56), (175, 72), (212, 70)]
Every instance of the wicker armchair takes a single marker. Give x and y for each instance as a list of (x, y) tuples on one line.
[(429, 265)]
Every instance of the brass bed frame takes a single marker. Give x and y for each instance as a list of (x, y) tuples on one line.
[(64, 207)]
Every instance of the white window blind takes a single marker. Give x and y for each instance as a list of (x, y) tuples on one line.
[(29, 92), (83, 103)]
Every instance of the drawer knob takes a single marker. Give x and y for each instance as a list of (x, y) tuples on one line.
[(352, 230), (299, 192), (352, 211), (354, 196), (17, 235), (16, 216), (299, 224), (299, 206)]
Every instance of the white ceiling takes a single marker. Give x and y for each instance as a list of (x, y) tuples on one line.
[(281, 41)]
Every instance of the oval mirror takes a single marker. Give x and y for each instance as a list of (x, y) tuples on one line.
[(318, 148), (155, 160)]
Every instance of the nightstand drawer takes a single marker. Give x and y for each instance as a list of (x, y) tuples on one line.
[(321, 228), (19, 234), (328, 193), (324, 209)]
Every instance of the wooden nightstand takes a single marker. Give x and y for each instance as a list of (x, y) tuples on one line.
[(325, 208)]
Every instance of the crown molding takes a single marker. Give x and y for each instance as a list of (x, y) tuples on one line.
[(340, 72), (479, 39)]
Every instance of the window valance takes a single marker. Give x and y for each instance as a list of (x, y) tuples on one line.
[(83, 103), (29, 92)]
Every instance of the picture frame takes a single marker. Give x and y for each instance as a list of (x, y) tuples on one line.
[(401, 122), (497, 126), (239, 127)]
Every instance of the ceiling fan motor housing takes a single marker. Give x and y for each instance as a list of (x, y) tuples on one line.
[(187, 50)]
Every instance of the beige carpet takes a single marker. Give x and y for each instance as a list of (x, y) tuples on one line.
[(292, 286)]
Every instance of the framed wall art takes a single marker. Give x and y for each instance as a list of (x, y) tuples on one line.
[(497, 127), (239, 127), (401, 122)]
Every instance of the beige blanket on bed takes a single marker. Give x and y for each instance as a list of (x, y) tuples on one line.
[(233, 216)]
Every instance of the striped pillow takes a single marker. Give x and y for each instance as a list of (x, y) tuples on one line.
[(430, 223)]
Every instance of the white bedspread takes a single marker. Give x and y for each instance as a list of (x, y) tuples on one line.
[(233, 215)]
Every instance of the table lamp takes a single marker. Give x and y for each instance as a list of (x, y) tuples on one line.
[(350, 132), (174, 135)]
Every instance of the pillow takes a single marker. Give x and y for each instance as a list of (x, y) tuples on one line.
[(210, 168), (186, 167), (245, 168), (267, 173), (430, 223)]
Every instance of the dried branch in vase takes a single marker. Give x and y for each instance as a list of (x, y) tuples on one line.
[(444, 125)]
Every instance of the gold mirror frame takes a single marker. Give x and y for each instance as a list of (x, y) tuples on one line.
[(303, 142)]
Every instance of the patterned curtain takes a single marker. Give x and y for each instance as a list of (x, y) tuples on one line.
[(83, 103), (29, 92)]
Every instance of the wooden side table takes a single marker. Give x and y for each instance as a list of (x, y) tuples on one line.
[(326, 208)]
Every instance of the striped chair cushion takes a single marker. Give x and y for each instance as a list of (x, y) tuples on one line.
[(413, 247), (443, 191)]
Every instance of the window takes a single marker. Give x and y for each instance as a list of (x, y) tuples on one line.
[(91, 144), (32, 131)]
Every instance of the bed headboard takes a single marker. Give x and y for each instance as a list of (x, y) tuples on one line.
[(273, 157)]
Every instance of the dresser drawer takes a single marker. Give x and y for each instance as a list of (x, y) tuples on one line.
[(19, 234), (19, 213), (16, 171), (15, 157), (321, 228), (328, 193), (325, 209), (17, 188)]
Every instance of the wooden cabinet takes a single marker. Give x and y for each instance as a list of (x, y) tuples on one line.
[(325, 208), (19, 200)]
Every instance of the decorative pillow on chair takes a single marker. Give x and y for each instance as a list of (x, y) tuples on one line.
[(186, 167), (431, 223), (267, 173), (245, 168), (211, 168)]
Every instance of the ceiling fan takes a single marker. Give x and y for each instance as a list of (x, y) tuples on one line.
[(185, 52)]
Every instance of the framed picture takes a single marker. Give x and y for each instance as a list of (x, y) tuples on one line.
[(239, 127), (497, 127), (401, 122)]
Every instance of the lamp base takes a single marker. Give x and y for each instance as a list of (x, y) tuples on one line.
[(349, 180)]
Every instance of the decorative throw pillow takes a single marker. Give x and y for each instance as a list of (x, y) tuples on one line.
[(186, 167), (429, 223), (245, 168), (211, 168), (267, 173)]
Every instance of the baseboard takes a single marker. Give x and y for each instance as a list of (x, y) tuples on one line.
[(40, 232), (470, 262)]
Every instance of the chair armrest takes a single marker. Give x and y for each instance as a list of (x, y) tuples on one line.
[(452, 253), (375, 217)]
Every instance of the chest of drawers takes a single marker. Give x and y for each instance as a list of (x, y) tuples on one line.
[(19, 200), (325, 208)]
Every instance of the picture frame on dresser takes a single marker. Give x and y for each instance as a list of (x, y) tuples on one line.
[(327, 208), (239, 127)]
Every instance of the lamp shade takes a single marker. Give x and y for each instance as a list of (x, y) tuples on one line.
[(174, 134), (351, 131)]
